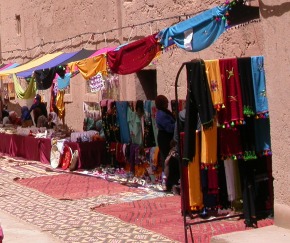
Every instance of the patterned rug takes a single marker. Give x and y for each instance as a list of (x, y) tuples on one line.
[(71, 186), (163, 215)]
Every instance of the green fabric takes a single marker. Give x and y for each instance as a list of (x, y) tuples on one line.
[(28, 93)]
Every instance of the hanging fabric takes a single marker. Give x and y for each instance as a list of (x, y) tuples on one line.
[(259, 82), (28, 93), (246, 79), (60, 104), (194, 185), (64, 82), (122, 107), (198, 32), (134, 56), (232, 114), (89, 67), (198, 101), (214, 82)]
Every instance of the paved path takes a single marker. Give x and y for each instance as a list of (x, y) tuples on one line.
[(58, 220)]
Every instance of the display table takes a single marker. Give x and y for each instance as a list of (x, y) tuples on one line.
[(91, 154)]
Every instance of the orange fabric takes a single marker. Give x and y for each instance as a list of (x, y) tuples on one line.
[(194, 183), (214, 81), (89, 67), (209, 144)]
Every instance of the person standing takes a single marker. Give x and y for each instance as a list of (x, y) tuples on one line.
[(38, 108), (165, 122)]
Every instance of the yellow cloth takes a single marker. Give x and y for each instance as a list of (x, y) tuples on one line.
[(209, 145), (89, 67), (194, 184), (214, 81), (28, 93), (31, 64), (60, 103)]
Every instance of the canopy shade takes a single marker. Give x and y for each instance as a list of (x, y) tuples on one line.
[(31, 64), (52, 63), (8, 66)]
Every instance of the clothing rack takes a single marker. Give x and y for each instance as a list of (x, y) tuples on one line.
[(183, 163)]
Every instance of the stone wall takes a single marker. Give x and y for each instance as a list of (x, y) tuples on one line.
[(276, 20)]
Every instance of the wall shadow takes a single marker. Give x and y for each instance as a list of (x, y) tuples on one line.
[(268, 11)]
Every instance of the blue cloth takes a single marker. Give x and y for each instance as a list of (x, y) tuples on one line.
[(165, 122), (259, 84), (62, 83), (262, 135), (122, 107), (198, 32)]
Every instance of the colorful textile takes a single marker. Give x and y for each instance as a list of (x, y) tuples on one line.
[(60, 104), (149, 139), (198, 101), (214, 81), (134, 56), (198, 32), (246, 79), (28, 93), (233, 179), (232, 114), (247, 132), (262, 136), (194, 184), (122, 107), (31, 64), (135, 126), (89, 67), (229, 141), (63, 82), (259, 82), (209, 145), (153, 118)]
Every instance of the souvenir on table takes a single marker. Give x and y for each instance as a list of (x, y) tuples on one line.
[(66, 157), (54, 157)]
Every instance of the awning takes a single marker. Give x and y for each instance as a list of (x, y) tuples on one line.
[(31, 64), (8, 66), (50, 64), (82, 54)]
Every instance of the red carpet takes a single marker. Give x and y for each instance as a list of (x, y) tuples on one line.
[(163, 215), (70, 186)]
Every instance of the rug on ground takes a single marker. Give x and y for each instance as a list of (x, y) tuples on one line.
[(163, 215)]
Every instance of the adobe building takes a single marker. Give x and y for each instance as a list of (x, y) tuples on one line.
[(30, 29)]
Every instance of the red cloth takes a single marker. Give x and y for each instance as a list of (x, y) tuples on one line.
[(91, 154), (229, 141), (134, 56), (212, 180), (233, 111)]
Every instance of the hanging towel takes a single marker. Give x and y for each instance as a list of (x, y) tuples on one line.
[(232, 114), (246, 79), (259, 82), (134, 56), (214, 82), (198, 32)]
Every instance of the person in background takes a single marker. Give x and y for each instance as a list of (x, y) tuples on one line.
[(12, 119), (38, 108), (5, 111), (41, 121), (52, 120), (26, 118), (165, 122)]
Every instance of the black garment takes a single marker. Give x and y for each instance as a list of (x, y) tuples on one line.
[(38, 109), (247, 87), (164, 138), (198, 102), (172, 170)]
